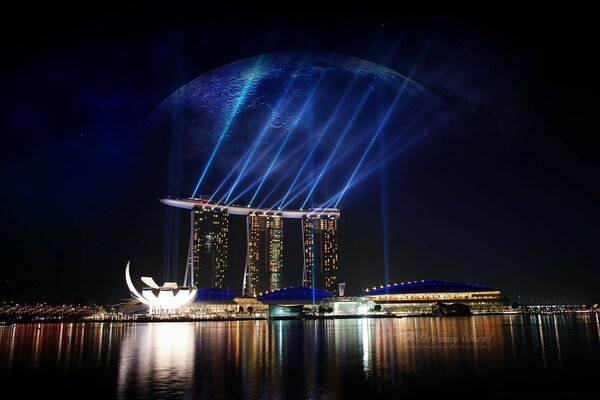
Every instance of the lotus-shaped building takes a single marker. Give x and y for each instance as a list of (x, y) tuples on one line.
[(166, 299)]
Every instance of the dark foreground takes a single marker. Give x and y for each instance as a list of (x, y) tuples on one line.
[(494, 356)]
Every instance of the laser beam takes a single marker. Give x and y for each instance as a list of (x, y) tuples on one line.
[(384, 216), (292, 129), (232, 114), (301, 189), (288, 171), (387, 115), (322, 132), (283, 161), (370, 168), (232, 171), (257, 141), (379, 130), (363, 100)]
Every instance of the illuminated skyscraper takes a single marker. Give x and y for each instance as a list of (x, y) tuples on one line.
[(320, 250), (265, 254), (207, 257)]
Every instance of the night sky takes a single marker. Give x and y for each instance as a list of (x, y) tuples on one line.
[(511, 202)]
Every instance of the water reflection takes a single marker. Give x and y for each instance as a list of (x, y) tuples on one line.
[(366, 340), (304, 359), (157, 359)]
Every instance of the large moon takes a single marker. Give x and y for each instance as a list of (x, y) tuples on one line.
[(309, 125)]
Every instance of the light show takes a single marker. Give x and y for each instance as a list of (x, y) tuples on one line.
[(297, 129)]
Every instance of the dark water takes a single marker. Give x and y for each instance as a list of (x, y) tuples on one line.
[(479, 357)]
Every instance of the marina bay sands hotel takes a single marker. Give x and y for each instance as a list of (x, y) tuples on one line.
[(209, 240)]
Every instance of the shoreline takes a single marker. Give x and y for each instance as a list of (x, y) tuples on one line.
[(263, 318)]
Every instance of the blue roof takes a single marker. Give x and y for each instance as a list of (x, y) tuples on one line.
[(430, 286), (217, 294), (299, 293)]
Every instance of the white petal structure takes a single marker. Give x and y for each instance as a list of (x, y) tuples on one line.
[(150, 282), (166, 299), (134, 292)]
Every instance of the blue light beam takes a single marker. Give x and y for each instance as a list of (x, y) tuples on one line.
[(384, 216), (292, 129), (370, 168), (363, 100), (232, 171), (300, 190), (379, 130), (236, 107), (322, 132), (249, 187), (387, 115), (257, 142)]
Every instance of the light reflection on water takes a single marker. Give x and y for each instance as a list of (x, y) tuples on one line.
[(157, 359), (304, 359)]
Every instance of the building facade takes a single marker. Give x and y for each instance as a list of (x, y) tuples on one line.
[(421, 296), (208, 254), (264, 254), (321, 257), (208, 259)]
